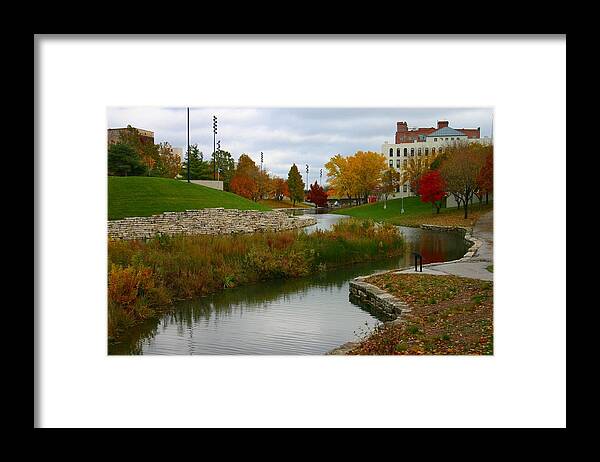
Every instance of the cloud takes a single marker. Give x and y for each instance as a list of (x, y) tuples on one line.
[(291, 135)]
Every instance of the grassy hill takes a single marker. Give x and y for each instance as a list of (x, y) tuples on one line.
[(138, 196)]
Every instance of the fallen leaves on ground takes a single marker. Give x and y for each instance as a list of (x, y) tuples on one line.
[(449, 315)]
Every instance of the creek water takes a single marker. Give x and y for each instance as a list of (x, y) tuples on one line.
[(303, 316)]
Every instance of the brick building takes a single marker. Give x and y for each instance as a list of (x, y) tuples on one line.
[(114, 135), (425, 142)]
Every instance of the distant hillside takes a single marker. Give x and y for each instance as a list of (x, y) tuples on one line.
[(138, 196)]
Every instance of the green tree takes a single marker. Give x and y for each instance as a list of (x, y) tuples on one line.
[(295, 185), (124, 161), (199, 170), (225, 167)]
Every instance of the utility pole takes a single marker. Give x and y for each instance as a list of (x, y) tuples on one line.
[(188, 143)]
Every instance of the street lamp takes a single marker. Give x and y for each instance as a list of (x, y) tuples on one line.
[(261, 161), (321, 177)]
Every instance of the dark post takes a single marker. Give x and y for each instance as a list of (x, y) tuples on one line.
[(321, 177), (188, 143), (261, 161), (214, 146)]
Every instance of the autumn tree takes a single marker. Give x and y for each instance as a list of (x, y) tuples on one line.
[(145, 149), (366, 168), (416, 167), (317, 195), (461, 169), (168, 164), (244, 186), (485, 179), (432, 188), (357, 175), (339, 176), (295, 185), (390, 180), (280, 188)]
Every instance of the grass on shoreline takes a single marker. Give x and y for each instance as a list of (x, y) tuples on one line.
[(145, 277), (416, 213), (139, 196), (449, 315)]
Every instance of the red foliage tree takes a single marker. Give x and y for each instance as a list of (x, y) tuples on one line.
[(244, 186), (485, 179), (317, 195), (432, 188)]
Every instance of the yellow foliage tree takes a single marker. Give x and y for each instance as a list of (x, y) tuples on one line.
[(356, 176)]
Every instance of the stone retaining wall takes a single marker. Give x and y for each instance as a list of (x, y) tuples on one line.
[(205, 221), (375, 300)]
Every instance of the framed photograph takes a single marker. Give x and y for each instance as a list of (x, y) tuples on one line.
[(311, 220)]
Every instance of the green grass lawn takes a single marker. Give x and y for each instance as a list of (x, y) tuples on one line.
[(415, 213), (138, 196), (412, 206)]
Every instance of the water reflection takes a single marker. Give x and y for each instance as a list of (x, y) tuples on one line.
[(308, 315)]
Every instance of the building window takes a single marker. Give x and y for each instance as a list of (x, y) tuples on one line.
[(435, 139), (391, 152), (405, 152), (397, 163), (451, 139), (404, 188), (405, 162), (426, 151), (412, 152), (432, 150), (419, 151), (391, 163), (446, 139), (398, 152), (440, 150)]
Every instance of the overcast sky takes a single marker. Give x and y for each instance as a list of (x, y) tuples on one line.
[(291, 135)]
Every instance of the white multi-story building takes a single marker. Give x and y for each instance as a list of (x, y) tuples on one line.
[(425, 142)]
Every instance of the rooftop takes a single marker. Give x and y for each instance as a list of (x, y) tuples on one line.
[(446, 131)]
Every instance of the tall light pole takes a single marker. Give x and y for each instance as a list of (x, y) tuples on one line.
[(261, 161), (307, 183), (188, 144), (321, 177), (214, 145), (217, 157)]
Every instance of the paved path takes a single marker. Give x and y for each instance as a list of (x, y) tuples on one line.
[(471, 267)]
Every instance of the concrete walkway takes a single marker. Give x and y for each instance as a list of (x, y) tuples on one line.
[(473, 266)]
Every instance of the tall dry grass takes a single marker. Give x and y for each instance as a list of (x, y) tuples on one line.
[(146, 276)]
